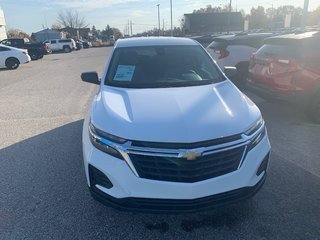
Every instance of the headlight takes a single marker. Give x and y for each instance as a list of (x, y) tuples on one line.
[(257, 132), (255, 127), (105, 141)]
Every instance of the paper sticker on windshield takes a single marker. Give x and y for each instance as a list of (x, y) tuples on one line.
[(124, 73)]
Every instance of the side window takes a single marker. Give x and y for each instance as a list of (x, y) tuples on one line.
[(3, 49), (53, 41), (6, 42), (16, 42)]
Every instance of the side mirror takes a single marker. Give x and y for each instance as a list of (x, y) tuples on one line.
[(230, 72), (90, 77)]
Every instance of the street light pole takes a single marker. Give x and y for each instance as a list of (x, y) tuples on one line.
[(304, 14), (158, 5), (171, 17)]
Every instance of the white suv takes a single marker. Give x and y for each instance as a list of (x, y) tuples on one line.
[(66, 45), (168, 131), (236, 50)]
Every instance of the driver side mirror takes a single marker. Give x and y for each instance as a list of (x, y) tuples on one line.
[(230, 72), (90, 77)]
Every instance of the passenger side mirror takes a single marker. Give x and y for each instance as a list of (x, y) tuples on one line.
[(230, 72), (90, 77)]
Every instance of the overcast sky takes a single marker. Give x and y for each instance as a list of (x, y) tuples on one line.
[(32, 15)]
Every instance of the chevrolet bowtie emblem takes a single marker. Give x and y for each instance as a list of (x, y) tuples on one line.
[(191, 155)]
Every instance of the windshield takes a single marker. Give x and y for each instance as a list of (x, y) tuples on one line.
[(161, 66)]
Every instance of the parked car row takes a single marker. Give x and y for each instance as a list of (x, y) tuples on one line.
[(16, 51), (274, 66), (35, 50), (236, 50)]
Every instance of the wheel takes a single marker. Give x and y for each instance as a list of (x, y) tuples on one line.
[(314, 109), (66, 49), (40, 56), (34, 56), (12, 63)]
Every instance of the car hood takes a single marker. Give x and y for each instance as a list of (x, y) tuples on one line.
[(185, 114)]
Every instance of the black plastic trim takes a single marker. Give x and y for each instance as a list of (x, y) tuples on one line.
[(264, 165), (168, 145), (98, 177), (176, 205)]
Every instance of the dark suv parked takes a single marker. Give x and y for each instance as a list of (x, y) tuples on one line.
[(288, 67)]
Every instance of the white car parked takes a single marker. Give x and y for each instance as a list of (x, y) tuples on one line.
[(11, 57), (167, 131)]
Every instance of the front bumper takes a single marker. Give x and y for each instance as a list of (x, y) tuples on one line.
[(150, 205)]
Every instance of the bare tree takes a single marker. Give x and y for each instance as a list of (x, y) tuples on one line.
[(71, 19), (56, 27), (17, 33)]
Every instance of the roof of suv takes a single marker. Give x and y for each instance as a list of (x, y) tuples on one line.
[(154, 41), (294, 38)]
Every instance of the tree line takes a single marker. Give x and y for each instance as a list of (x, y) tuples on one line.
[(260, 17)]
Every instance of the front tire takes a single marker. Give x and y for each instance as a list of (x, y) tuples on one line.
[(67, 49), (34, 56), (12, 63)]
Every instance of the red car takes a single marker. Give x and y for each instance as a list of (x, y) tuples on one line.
[(287, 67)]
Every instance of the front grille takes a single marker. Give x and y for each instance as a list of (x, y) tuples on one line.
[(188, 171)]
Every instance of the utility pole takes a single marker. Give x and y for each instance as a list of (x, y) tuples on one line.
[(162, 26), (304, 15), (128, 28), (158, 5), (131, 27), (171, 17), (229, 16)]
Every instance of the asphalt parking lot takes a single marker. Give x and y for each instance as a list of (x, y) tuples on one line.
[(43, 193)]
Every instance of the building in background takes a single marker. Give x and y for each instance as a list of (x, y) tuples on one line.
[(79, 33), (46, 34), (3, 33), (208, 23)]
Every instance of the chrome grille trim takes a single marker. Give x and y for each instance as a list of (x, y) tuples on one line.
[(127, 148)]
